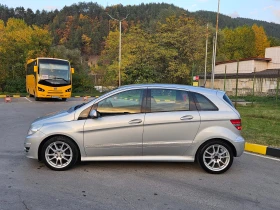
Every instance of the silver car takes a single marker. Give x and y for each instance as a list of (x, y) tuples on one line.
[(153, 122)]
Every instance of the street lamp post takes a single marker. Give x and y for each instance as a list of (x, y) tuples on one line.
[(215, 50), (120, 44)]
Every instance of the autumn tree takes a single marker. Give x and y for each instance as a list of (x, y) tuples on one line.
[(261, 40)]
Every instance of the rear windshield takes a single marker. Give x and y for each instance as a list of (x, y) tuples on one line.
[(226, 98)]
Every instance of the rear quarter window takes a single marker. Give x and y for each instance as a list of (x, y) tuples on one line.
[(203, 103), (226, 98)]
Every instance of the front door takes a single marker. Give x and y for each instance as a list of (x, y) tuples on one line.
[(119, 130)]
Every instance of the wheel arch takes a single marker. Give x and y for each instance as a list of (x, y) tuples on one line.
[(49, 137), (215, 139)]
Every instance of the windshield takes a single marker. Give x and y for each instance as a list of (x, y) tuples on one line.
[(54, 72)]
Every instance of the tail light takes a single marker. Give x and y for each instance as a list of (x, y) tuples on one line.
[(237, 124)]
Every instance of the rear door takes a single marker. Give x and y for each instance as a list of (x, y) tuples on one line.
[(171, 122)]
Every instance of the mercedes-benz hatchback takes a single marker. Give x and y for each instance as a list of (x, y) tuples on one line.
[(152, 122)]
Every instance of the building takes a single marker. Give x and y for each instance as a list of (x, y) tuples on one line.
[(255, 75)]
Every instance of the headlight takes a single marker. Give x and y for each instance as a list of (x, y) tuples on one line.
[(34, 129), (41, 89), (68, 90)]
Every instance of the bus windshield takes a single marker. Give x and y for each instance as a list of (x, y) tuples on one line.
[(54, 72)]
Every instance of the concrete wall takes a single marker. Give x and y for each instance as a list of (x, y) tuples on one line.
[(244, 67), (273, 53)]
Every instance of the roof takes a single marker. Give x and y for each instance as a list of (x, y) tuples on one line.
[(245, 59), (268, 73), (175, 86), (31, 60)]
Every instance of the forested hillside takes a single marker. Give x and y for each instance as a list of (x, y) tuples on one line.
[(161, 42), (271, 29)]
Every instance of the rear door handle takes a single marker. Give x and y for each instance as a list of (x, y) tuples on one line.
[(135, 121), (187, 117)]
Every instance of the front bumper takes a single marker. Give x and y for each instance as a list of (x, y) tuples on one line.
[(53, 95), (32, 143)]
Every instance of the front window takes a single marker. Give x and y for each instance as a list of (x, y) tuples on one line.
[(127, 102), (54, 72)]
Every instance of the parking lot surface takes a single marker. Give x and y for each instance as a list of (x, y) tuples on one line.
[(252, 183)]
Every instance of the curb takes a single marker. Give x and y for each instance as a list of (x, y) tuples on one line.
[(13, 96), (84, 96), (263, 150)]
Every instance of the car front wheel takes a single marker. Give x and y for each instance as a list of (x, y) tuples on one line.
[(215, 157), (59, 153)]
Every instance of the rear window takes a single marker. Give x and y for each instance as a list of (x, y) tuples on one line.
[(226, 98)]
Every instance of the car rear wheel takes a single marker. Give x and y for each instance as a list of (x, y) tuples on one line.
[(215, 157), (64, 99), (59, 153)]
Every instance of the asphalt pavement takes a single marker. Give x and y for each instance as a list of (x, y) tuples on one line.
[(253, 182)]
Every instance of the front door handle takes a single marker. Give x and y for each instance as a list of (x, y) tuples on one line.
[(135, 121), (187, 117)]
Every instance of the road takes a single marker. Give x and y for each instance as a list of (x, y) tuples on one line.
[(252, 183)]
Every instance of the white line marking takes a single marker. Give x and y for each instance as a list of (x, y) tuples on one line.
[(27, 99), (267, 157)]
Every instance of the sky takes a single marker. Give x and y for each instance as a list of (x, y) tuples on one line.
[(267, 10)]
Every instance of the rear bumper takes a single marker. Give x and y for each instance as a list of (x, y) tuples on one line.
[(239, 144)]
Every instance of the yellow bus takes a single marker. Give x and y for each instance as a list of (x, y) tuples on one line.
[(49, 78)]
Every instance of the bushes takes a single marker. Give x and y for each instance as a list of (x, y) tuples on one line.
[(16, 85), (82, 83)]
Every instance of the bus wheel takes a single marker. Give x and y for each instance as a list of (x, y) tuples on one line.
[(64, 99), (30, 95), (36, 98)]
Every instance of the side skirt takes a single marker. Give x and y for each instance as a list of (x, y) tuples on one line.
[(141, 158)]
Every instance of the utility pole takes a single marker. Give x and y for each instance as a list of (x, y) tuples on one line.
[(120, 44), (215, 53), (213, 64), (206, 50)]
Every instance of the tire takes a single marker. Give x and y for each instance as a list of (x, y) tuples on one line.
[(36, 98), (64, 99), (59, 153), (30, 95), (215, 157)]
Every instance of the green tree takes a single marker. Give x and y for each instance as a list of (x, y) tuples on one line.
[(20, 42), (239, 43)]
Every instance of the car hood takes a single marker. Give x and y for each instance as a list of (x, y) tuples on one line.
[(60, 116)]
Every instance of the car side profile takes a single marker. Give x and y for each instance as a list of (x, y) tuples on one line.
[(147, 122)]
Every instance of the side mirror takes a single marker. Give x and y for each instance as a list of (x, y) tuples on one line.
[(72, 70), (94, 114), (35, 69)]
